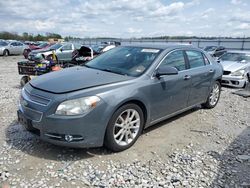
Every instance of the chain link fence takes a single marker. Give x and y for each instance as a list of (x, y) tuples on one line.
[(233, 44)]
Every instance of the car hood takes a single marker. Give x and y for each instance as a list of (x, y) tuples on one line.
[(234, 65), (75, 78), (40, 51)]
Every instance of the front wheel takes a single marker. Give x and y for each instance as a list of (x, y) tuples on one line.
[(24, 80), (124, 127), (6, 53), (214, 96)]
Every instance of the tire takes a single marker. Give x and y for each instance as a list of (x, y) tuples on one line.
[(214, 96), (26, 53), (247, 80), (50, 57), (120, 134), (24, 80), (6, 53)]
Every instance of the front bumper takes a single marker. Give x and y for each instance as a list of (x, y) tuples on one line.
[(83, 131), (1, 51), (234, 81)]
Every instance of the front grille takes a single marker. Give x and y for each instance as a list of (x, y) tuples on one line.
[(37, 98), (30, 113), (226, 72)]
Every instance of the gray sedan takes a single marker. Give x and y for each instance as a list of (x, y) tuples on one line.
[(116, 95), (12, 48)]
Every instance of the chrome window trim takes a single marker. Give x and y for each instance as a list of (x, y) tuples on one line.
[(152, 75)]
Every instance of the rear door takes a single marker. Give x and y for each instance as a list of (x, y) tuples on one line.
[(170, 93), (19, 48), (13, 48), (201, 72)]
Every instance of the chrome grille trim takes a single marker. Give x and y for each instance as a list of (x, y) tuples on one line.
[(36, 98)]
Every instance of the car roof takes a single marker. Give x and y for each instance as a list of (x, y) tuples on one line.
[(162, 46)]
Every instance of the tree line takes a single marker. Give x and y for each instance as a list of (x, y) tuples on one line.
[(28, 37)]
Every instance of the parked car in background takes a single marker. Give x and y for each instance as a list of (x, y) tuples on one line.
[(102, 48), (116, 43), (116, 95), (12, 48), (236, 65), (215, 51), (63, 51), (35, 47)]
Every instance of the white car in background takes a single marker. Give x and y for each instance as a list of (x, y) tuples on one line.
[(63, 52), (236, 66), (12, 48)]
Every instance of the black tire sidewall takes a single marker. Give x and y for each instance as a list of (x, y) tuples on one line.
[(109, 141), (5, 53), (24, 80)]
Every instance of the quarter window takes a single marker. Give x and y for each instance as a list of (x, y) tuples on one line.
[(195, 59), (175, 59)]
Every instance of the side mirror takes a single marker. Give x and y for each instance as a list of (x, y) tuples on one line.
[(61, 49), (166, 70), (217, 60)]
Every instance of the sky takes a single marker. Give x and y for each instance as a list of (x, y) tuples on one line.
[(127, 18)]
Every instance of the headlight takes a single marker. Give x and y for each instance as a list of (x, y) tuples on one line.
[(77, 106), (238, 73)]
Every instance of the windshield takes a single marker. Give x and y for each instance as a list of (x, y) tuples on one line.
[(235, 57), (43, 45), (55, 46), (210, 48), (131, 61), (2, 43)]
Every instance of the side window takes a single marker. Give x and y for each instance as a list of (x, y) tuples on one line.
[(207, 62), (67, 47), (13, 44), (175, 59), (195, 59)]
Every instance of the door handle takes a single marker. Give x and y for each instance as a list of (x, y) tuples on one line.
[(211, 70), (186, 77)]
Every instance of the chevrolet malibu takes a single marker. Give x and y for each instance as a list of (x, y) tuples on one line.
[(112, 98)]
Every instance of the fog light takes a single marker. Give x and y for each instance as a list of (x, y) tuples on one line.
[(68, 138)]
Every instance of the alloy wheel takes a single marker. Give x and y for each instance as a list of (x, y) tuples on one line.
[(214, 95), (126, 127)]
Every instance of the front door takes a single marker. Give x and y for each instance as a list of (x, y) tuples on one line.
[(170, 93), (65, 52), (201, 72)]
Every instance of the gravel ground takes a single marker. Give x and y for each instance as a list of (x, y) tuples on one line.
[(199, 148)]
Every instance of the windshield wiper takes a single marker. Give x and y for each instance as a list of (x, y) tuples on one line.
[(112, 71)]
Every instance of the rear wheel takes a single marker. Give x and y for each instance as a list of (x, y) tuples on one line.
[(124, 127), (6, 53), (214, 96)]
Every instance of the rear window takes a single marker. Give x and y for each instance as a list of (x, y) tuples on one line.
[(195, 59)]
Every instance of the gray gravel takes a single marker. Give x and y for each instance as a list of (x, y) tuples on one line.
[(200, 148)]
